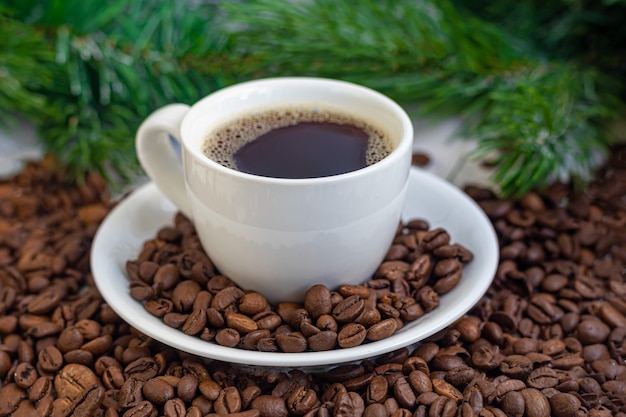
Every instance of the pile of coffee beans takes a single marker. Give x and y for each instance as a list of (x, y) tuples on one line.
[(177, 282), (548, 339)]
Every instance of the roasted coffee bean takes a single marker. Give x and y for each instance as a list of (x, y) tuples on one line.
[(568, 361), (24, 409), (175, 408), (335, 389), (209, 388), (78, 390), (470, 328), (130, 393), (298, 318), (159, 306), (377, 390), (393, 270), (227, 337), (375, 410), (323, 341), (301, 400), (449, 273), (542, 310), (141, 409), (420, 382), (166, 277), (403, 392), (292, 342), (348, 309), (240, 322), (202, 301), (516, 366), (409, 310), (70, 338), (250, 341), (317, 301), (371, 315), (270, 406), (195, 322), (435, 238), (543, 377), (11, 396), (157, 390), (536, 404), (252, 303), (175, 320), (348, 404), (428, 298), (227, 299), (228, 401), (142, 368), (381, 330), (248, 394), (446, 362), (8, 324), (442, 387), (564, 404), (268, 320), (548, 337), (513, 404), (442, 406), (460, 376), (25, 375), (391, 371), (113, 377), (202, 404), (41, 387), (387, 309), (44, 303), (74, 380), (351, 335), (146, 270), (99, 345), (50, 359), (592, 331), (184, 295)]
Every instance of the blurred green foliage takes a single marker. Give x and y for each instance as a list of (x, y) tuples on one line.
[(535, 82)]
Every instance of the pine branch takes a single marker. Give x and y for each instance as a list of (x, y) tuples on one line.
[(587, 31), (545, 127), (87, 72), (543, 119), (22, 74), (110, 72)]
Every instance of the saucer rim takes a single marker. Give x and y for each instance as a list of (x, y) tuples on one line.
[(420, 329)]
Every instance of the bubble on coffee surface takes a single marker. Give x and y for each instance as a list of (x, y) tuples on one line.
[(222, 144)]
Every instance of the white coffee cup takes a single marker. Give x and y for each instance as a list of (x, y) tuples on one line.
[(273, 235)]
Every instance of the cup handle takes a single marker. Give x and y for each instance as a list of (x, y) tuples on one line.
[(157, 156)]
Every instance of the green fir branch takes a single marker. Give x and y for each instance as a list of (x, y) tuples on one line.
[(86, 72), (545, 127), (111, 71), (23, 70), (545, 120)]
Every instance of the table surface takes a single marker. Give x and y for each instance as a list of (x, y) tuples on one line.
[(449, 154)]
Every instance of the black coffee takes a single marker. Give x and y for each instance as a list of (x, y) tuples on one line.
[(297, 143)]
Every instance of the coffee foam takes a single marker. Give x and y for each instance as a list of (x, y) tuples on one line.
[(221, 144)]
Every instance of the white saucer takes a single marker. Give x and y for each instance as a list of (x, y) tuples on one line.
[(138, 217)]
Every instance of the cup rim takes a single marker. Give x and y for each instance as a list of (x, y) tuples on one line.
[(403, 147)]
